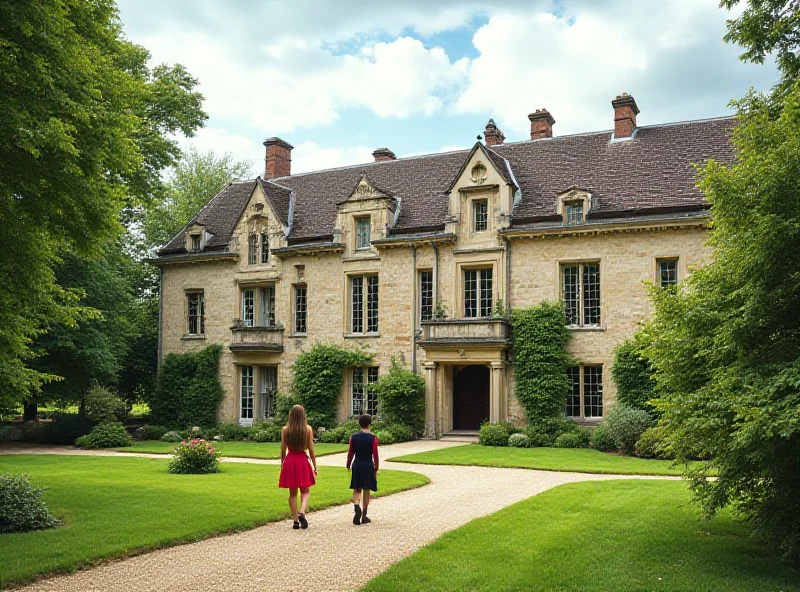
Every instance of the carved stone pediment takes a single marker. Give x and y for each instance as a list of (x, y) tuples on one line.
[(366, 190)]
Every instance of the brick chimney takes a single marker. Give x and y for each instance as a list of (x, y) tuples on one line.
[(625, 111), (278, 162), (383, 154), (492, 135), (541, 124)]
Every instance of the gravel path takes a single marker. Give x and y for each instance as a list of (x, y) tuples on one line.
[(332, 554)]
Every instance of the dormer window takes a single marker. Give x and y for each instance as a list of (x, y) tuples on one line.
[(196, 241), (363, 233), (573, 213), (480, 215)]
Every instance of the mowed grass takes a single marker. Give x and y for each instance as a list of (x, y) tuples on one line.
[(595, 536), (115, 506), (265, 450), (576, 460)]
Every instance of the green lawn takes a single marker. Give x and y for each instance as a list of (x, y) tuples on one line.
[(114, 506), (577, 460), (268, 450), (595, 536)]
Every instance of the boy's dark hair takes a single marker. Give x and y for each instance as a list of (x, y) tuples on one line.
[(364, 421)]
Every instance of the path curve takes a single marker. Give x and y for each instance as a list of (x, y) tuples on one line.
[(332, 554)]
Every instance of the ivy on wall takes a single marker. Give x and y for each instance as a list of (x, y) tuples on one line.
[(318, 381), (633, 375), (540, 359), (188, 390)]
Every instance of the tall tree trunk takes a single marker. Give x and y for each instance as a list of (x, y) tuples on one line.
[(30, 412)]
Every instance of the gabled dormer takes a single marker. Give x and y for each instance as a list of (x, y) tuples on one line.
[(262, 225), (574, 205), (366, 215), (481, 197), (196, 237)]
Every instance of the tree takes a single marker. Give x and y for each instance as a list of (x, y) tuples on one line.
[(766, 27), (726, 345), (87, 128), (195, 180)]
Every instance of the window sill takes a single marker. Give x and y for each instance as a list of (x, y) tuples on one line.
[(193, 337), (588, 328), (298, 335), (360, 335)]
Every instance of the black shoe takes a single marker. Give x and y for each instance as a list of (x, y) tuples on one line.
[(357, 516), (303, 521), (296, 525), (365, 520)]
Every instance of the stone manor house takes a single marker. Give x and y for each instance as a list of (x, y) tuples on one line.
[(413, 258)]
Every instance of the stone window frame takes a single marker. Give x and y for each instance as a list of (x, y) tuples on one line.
[(202, 316), (421, 295), (479, 220), (658, 276), (300, 310), (252, 249), (267, 397), (571, 197), (358, 245), (368, 309), (573, 216), (246, 414), (264, 251), (480, 289), (584, 371), (264, 303), (581, 313), (368, 400)]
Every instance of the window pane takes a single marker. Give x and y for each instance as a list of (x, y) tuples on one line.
[(372, 304), (357, 304), (591, 294), (248, 307), (252, 249), (570, 291), (486, 292), (668, 272), (195, 242), (264, 247), (574, 213), (362, 233), (425, 295), (269, 390), (196, 314), (573, 407), (471, 293), (357, 391), (266, 307), (372, 396), (480, 215), (246, 398), (593, 391), (300, 310)]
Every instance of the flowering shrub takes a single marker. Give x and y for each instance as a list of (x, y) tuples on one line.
[(194, 457)]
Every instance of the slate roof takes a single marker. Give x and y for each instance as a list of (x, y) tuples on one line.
[(654, 169)]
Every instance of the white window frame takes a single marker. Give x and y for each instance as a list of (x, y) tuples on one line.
[(481, 304), (659, 273), (246, 395), (423, 296), (298, 309)]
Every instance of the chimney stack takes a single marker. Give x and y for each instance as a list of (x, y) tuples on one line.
[(625, 111), (541, 124), (383, 154), (492, 135), (278, 162)]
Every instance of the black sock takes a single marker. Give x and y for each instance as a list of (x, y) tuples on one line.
[(365, 512)]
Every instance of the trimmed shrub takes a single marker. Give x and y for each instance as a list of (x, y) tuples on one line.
[(400, 433), (318, 381), (568, 441), (105, 435), (633, 376), (171, 437), (602, 440), (541, 359), (554, 426), (626, 425), (231, 431), (401, 398), (149, 432), (584, 437), (341, 433), (103, 406), (194, 457), (64, 428), (188, 390), (21, 506), (539, 440), (653, 443), (519, 441), (496, 434), (384, 437), (283, 404), (268, 433)]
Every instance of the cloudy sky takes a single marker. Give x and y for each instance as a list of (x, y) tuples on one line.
[(338, 79)]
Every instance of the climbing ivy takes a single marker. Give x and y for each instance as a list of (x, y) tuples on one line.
[(188, 390), (633, 375), (540, 359), (318, 381)]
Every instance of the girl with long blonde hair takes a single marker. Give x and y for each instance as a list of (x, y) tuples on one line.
[(296, 472)]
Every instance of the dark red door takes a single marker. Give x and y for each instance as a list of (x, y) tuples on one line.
[(470, 398)]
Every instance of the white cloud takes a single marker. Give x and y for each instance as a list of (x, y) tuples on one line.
[(242, 148), (310, 156)]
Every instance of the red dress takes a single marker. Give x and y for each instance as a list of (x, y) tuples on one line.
[(296, 470)]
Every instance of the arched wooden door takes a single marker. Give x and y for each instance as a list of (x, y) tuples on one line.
[(470, 398)]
